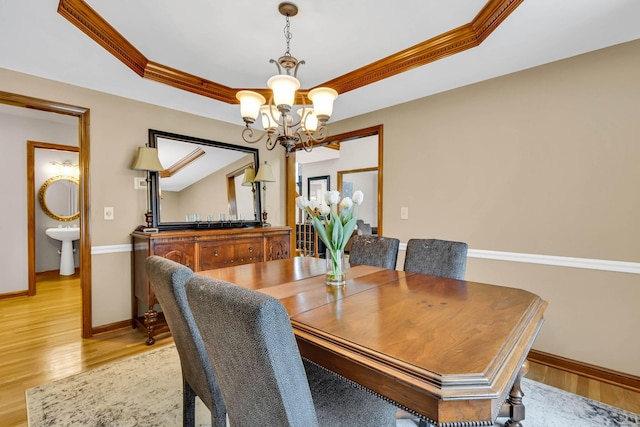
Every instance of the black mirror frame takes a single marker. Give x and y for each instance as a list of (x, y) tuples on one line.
[(154, 194), (318, 178)]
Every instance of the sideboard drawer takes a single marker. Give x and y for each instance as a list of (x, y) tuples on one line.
[(230, 252), (248, 251)]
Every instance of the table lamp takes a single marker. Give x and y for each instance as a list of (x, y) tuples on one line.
[(147, 160), (264, 175)]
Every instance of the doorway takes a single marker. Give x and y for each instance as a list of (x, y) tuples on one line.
[(333, 143), (82, 114), (45, 170)]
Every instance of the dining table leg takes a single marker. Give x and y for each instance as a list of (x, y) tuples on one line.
[(513, 407)]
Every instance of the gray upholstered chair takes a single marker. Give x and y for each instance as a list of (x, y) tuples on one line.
[(167, 280), (436, 257), (261, 374), (363, 227), (372, 250)]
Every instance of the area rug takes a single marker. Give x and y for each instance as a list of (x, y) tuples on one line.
[(146, 390)]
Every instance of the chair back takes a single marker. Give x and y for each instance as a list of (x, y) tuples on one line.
[(251, 344), (167, 280), (435, 257), (372, 250)]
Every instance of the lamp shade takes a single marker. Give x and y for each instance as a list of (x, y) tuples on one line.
[(250, 103), (249, 177), (284, 89), (265, 174), (322, 98), (268, 114), (309, 121), (147, 160)]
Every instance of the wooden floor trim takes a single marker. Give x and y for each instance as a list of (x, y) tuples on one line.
[(111, 327), (620, 379), (14, 294)]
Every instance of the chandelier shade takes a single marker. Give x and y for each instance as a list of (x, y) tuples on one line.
[(322, 98), (308, 119), (250, 103), (284, 89), (280, 126)]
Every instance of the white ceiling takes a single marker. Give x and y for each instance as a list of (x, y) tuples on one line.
[(231, 43)]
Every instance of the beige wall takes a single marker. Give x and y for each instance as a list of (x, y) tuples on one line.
[(209, 196), (117, 127), (15, 131), (544, 161)]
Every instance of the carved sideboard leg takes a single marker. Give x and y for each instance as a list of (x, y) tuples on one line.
[(514, 406), (150, 318)]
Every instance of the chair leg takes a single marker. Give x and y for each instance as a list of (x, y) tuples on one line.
[(188, 405)]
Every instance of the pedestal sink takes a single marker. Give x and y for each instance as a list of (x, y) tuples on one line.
[(66, 235)]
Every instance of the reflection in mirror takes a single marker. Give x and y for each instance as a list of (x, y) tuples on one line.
[(58, 198), (365, 180), (201, 185), (317, 186)]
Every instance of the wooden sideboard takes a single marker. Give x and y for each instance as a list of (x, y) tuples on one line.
[(198, 250)]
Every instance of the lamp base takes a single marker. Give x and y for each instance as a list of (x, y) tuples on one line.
[(145, 229), (264, 220), (148, 217)]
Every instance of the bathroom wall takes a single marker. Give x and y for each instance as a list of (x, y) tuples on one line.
[(17, 129)]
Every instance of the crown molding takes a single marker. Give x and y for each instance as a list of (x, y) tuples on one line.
[(467, 36)]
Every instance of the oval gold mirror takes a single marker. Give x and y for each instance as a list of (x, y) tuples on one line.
[(58, 197)]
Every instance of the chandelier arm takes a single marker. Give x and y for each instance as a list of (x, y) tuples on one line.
[(277, 65), (319, 135), (295, 70), (272, 106), (247, 135), (272, 140), (305, 139)]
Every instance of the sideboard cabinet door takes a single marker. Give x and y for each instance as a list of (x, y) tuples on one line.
[(277, 246)]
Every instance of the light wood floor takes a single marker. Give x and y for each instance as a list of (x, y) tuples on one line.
[(40, 341)]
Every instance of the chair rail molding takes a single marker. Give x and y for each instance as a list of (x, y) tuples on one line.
[(560, 261), (110, 249)]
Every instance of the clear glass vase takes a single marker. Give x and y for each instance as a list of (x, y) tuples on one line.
[(336, 275)]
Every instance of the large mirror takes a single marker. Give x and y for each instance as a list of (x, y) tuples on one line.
[(58, 198), (204, 184), (348, 162)]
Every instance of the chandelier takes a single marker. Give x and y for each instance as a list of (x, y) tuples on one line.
[(307, 126)]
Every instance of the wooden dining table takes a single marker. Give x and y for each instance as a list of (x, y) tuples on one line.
[(449, 351)]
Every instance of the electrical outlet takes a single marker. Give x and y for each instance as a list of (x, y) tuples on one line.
[(404, 213), (108, 213)]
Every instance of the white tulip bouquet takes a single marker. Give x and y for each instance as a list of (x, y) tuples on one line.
[(338, 222)]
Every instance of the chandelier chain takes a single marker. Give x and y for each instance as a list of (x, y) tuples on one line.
[(287, 36)]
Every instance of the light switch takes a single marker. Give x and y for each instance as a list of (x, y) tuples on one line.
[(108, 213), (139, 183), (404, 213)]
